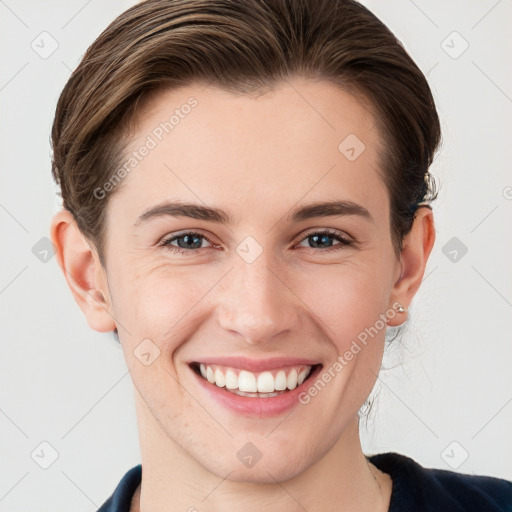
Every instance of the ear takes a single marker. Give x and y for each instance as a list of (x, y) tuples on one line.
[(416, 249), (83, 271)]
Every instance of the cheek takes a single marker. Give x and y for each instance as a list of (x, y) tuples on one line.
[(349, 304), (156, 302), (158, 308), (347, 299)]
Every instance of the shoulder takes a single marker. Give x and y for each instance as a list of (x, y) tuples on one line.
[(424, 490), (121, 498)]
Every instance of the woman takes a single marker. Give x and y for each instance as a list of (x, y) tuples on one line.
[(246, 205)]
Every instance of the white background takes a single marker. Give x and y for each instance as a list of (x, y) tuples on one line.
[(64, 384)]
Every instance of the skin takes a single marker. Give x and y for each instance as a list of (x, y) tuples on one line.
[(256, 157)]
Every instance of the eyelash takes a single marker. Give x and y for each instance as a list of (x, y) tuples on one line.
[(344, 242)]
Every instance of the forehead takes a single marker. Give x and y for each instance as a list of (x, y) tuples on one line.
[(302, 140)]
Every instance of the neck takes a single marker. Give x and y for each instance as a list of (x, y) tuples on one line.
[(342, 479)]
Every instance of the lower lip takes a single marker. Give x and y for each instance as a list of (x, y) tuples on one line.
[(254, 406)]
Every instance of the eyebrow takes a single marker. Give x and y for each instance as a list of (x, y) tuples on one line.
[(217, 215)]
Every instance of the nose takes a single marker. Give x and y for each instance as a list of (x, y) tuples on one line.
[(257, 303)]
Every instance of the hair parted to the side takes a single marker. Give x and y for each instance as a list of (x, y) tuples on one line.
[(243, 47)]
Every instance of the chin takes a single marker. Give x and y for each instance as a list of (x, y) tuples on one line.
[(271, 468), (269, 473)]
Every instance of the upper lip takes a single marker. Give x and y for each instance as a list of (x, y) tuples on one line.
[(256, 365)]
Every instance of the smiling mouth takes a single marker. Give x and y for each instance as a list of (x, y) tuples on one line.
[(266, 384)]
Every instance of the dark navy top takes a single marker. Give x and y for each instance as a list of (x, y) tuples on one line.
[(415, 489)]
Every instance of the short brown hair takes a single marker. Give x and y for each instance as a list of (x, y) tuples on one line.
[(240, 46)]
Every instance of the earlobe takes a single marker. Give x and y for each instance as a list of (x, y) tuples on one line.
[(84, 274), (416, 250)]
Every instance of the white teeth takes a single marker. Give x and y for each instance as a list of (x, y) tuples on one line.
[(231, 379), (291, 381), (280, 380), (302, 376), (219, 378), (258, 395), (265, 382), (247, 382)]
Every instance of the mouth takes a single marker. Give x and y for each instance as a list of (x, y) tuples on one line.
[(265, 384), (264, 389)]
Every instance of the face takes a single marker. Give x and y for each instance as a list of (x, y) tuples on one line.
[(255, 295)]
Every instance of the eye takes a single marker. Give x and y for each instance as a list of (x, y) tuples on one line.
[(187, 243), (322, 240), (190, 242)]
